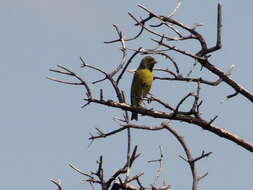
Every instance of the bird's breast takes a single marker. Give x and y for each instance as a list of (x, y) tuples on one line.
[(145, 76)]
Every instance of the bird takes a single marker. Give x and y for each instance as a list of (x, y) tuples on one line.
[(142, 82)]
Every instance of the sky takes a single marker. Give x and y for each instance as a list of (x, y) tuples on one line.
[(42, 125)]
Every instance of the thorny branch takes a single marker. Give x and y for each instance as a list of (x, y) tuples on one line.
[(166, 126), (181, 116), (98, 177), (190, 160), (192, 116)]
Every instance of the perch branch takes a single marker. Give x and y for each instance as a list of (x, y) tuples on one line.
[(179, 117)]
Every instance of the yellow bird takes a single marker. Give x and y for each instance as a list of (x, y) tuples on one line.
[(142, 82)]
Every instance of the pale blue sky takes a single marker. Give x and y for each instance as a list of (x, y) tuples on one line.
[(43, 128)]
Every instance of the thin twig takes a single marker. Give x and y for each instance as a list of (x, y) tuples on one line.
[(80, 171), (57, 183), (127, 64)]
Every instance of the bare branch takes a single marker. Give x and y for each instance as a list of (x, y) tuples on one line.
[(213, 119), (178, 50), (200, 56), (162, 48), (128, 153), (100, 171), (152, 98), (182, 101), (107, 76), (227, 80), (64, 82), (81, 172), (127, 126), (187, 152), (185, 118), (165, 187), (160, 160), (124, 69), (219, 26), (203, 176), (57, 183), (142, 25), (123, 49), (71, 73), (118, 186), (188, 79), (204, 155), (176, 8), (232, 95), (124, 169)]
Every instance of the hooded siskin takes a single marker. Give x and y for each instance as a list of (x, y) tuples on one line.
[(142, 82)]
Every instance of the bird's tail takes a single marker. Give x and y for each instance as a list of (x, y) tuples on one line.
[(134, 116)]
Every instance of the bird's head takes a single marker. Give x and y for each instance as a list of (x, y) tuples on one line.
[(147, 62)]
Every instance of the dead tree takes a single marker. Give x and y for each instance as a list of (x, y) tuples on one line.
[(122, 179)]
